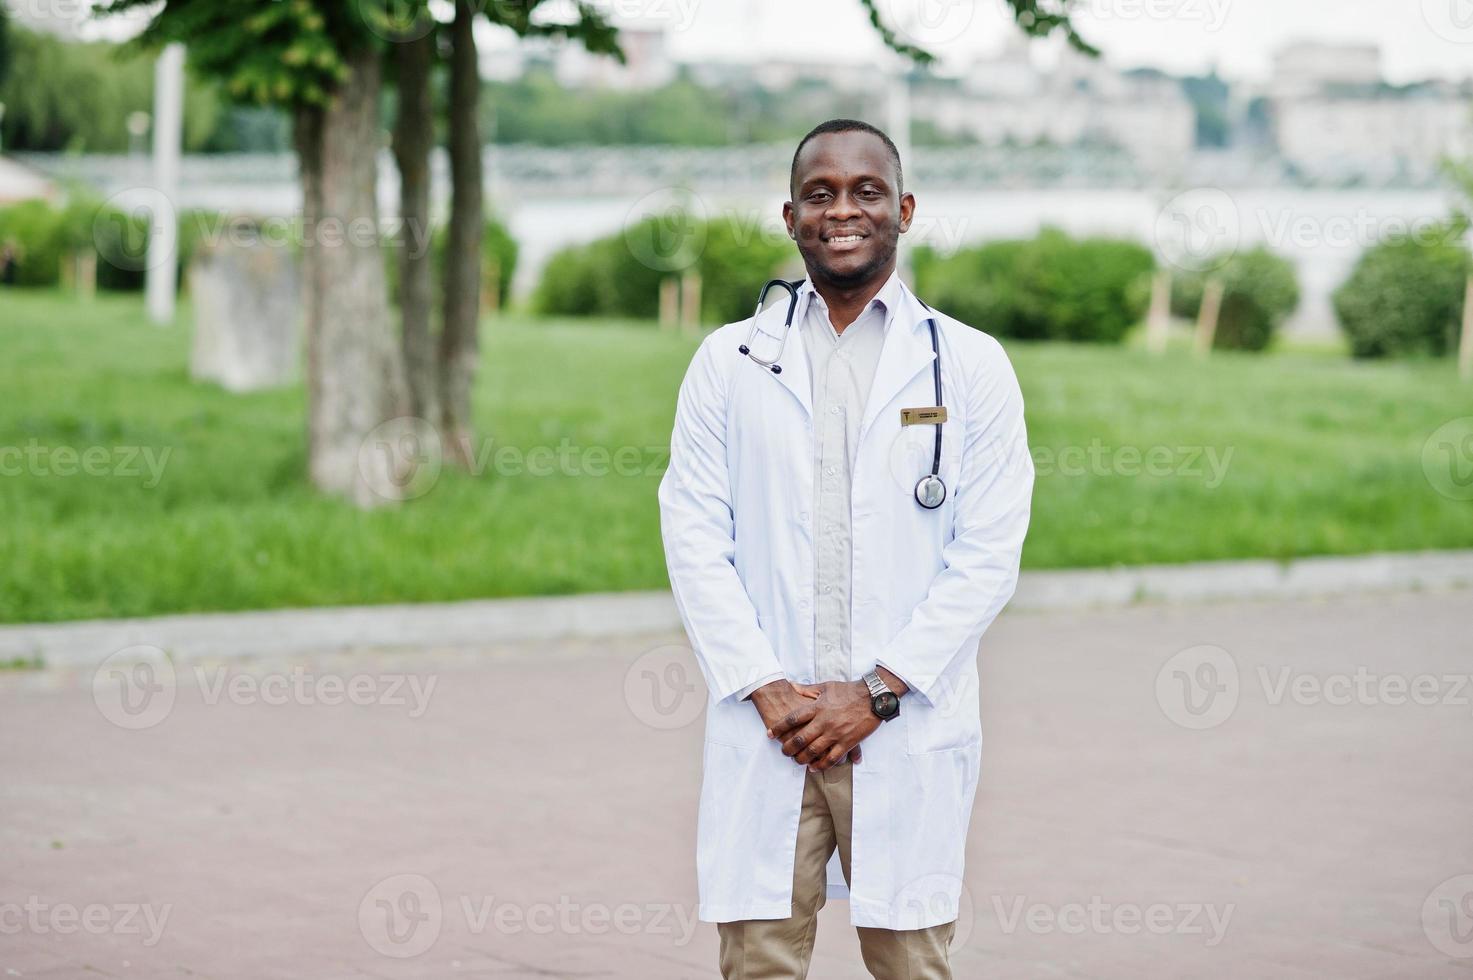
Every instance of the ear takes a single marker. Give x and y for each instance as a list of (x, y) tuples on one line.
[(788, 220), (907, 210)]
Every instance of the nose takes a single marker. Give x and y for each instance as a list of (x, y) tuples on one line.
[(843, 206)]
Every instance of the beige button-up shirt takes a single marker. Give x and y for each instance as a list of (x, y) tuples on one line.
[(842, 367)]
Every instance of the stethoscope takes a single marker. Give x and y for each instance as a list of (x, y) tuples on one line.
[(930, 491)]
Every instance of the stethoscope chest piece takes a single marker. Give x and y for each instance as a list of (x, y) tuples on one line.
[(930, 491)]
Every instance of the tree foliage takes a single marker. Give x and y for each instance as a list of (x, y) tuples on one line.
[(72, 96), (292, 52), (1405, 296)]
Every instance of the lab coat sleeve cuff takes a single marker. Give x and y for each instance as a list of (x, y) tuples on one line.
[(916, 689), (751, 689)]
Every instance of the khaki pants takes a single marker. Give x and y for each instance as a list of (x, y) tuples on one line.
[(780, 949)]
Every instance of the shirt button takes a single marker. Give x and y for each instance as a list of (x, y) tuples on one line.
[(830, 471), (827, 589), (834, 410)]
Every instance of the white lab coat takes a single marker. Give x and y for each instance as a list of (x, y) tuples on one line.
[(737, 522)]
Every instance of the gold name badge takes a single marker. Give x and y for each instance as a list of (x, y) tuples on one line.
[(923, 416)]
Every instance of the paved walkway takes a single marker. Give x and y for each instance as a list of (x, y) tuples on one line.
[(1171, 791)]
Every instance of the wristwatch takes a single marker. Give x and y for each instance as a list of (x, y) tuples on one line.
[(884, 702)]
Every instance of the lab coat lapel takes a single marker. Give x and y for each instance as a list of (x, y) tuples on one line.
[(794, 362), (906, 352)]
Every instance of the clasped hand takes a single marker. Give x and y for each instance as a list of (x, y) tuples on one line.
[(818, 724)]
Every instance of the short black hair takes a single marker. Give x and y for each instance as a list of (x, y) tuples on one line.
[(847, 126)]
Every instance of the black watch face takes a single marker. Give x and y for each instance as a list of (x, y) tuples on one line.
[(887, 705)]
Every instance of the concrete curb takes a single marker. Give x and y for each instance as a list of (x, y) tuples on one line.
[(290, 632)]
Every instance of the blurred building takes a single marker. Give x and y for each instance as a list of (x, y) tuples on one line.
[(20, 183), (1306, 68), (647, 63), (1334, 118), (1007, 99)]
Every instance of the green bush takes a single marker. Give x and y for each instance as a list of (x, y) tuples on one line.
[(1052, 287), (45, 235), (1404, 297), (33, 229), (620, 276), (1259, 291)]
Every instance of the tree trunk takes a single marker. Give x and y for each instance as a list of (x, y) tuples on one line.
[(458, 343), (414, 135), (354, 376)]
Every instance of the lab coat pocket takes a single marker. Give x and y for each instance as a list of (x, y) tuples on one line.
[(735, 723), (952, 722)]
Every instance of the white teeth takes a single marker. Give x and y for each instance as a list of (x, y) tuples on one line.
[(846, 238)]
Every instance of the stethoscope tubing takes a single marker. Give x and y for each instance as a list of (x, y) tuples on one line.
[(776, 368)]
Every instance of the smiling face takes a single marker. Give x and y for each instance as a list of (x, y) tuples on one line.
[(847, 211)]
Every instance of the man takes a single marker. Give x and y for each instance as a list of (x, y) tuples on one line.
[(834, 615)]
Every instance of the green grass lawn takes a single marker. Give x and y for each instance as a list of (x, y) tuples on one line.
[(1321, 455)]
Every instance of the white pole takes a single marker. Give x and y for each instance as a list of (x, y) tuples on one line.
[(161, 275)]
